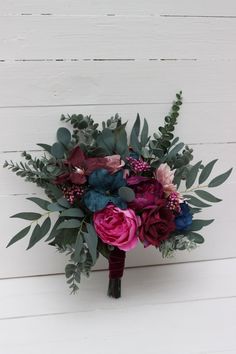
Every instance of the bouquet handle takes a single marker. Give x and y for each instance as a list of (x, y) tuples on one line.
[(116, 270)]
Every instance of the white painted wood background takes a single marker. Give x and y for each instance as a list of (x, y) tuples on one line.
[(103, 57)]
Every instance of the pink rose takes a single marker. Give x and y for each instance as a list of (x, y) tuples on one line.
[(117, 227), (165, 176)]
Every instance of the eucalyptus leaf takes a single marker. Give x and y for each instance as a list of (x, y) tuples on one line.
[(55, 207), (58, 150), (175, 150), (42, 203), (19, 236), (127, 194), (217, 181), (69, 224), (63, 202), (207, 196), (64, 136), (27, 216), (195, 237), (206, 171)]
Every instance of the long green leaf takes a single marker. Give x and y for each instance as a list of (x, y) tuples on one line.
[(42, 203), (206, 171), (46, 147), (217, 181), (134, 141), (63, 202), (35, 237), (27, 216), (69, 224), (78, 248), (192, 175), (54, 231), (144, 134), (72, 212), (196, 202), (19, 236), (91, 239), (198, 224), (207, 196)]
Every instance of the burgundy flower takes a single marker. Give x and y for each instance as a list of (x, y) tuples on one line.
[(148, 191), (82, 166), (157, 222)]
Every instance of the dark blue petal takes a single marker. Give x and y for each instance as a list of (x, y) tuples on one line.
[(184, 220), (100, 179), (95, 201), (118, 202), (117, 181)]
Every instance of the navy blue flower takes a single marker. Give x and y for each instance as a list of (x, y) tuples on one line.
[(184, 220), (104, 189)]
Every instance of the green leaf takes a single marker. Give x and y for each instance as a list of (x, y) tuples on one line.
[(207, 196), (55, 207), (46, 225), (175, 150), (69, 270), (54, 231), (127, 194), (63, 202), (46, 147), (64, 136), (58, 150), (206, 171), (73, 212), (144, 134), (192, 175), (195, 237), (27, 216), (35, 237), (198, 224), (91, 239), (78, 247), (19, 236), (217, 181), (134, 141), (108, 139), (54, 190), (121, 147), (196, 202), (69, 224), (42, 203)]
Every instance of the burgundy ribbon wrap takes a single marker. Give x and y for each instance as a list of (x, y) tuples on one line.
[(116, 270)]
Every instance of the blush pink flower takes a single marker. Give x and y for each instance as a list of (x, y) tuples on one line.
[(117, 227), (165, 176)]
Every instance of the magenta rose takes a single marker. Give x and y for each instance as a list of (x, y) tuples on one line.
[(117, 227), (148, 191), (157, 222)]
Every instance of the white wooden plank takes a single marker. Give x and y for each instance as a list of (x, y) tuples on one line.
[(14, 185), (122, 7), (198, 123), (46, 37), (151, 285), (194, 328), (64, 83), (42, 259)]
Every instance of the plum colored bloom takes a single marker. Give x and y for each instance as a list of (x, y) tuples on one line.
[(165, 176), (117, 227), (157, 222), (184, 219), (81, 166), (148, 191)]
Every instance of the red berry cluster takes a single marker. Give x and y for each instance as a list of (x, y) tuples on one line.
[(73, 192), (138, 166), (173, 202)]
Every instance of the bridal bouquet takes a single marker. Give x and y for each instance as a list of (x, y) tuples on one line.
[(110, 193)]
